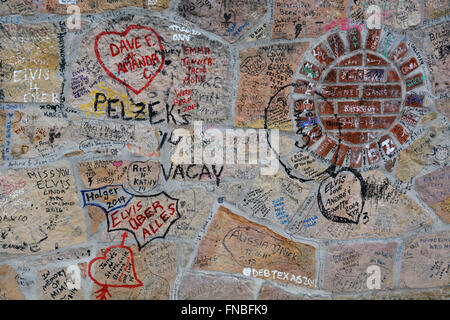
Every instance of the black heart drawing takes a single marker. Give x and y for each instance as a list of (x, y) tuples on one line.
[(168, 62), (227, 16), (338, 207)]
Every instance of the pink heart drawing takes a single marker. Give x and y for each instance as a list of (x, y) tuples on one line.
[(117, 163), (133, 58)]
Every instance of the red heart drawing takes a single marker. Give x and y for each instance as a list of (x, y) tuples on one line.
[(133, 70), (126, 269)]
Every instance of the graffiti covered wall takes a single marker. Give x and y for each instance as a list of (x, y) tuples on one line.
[(247, 149)]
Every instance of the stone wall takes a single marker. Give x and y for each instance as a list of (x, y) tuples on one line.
[(96, 201)]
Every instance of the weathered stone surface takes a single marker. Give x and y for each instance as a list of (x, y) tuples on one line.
[(346, 265), (429, 117), (22, 7), (194, 207), (269, 292), (40, 209), (228, 19), (36, 135), (203, 287), (437, 40), (53, 285), (307, 166), (258, 34), (30, 63), (183, 81), (96, 217), (156, 5), (418, 295), (425, 261), (67, 255), (414, 158), (107, 236), (229, 191), (275, 199), (434, 189), (286, 146), (3, 117), (25, 277), (89, 6), (390, 213), (394, 295), (443, 105), (114, 138), (435, 9), (9, 287), (401, 14), (187, 250), (138, 177), (262, 71), (155, 267), (237, 245), (305, 19)]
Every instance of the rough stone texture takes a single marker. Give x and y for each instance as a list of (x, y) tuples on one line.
[(9, 286), (187, 250), (112, 133), (426, 261), (305, 19), (70, 254), (420, 295), (155, 267), (228, 19), (3, 117), (307, 166), (22, 7), (37, 135), (234, 244), (437, 40), (195, 206), (274, 199), (269, 292), (415, 157), (439, 294), (436, 8), (393, 13), (434, 190), (53, 286), (278, 64), (231, 192), (387, 212), (346, 265), (203, 287), (30, 63), (89, 6), (443, 105), (40, 212)]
